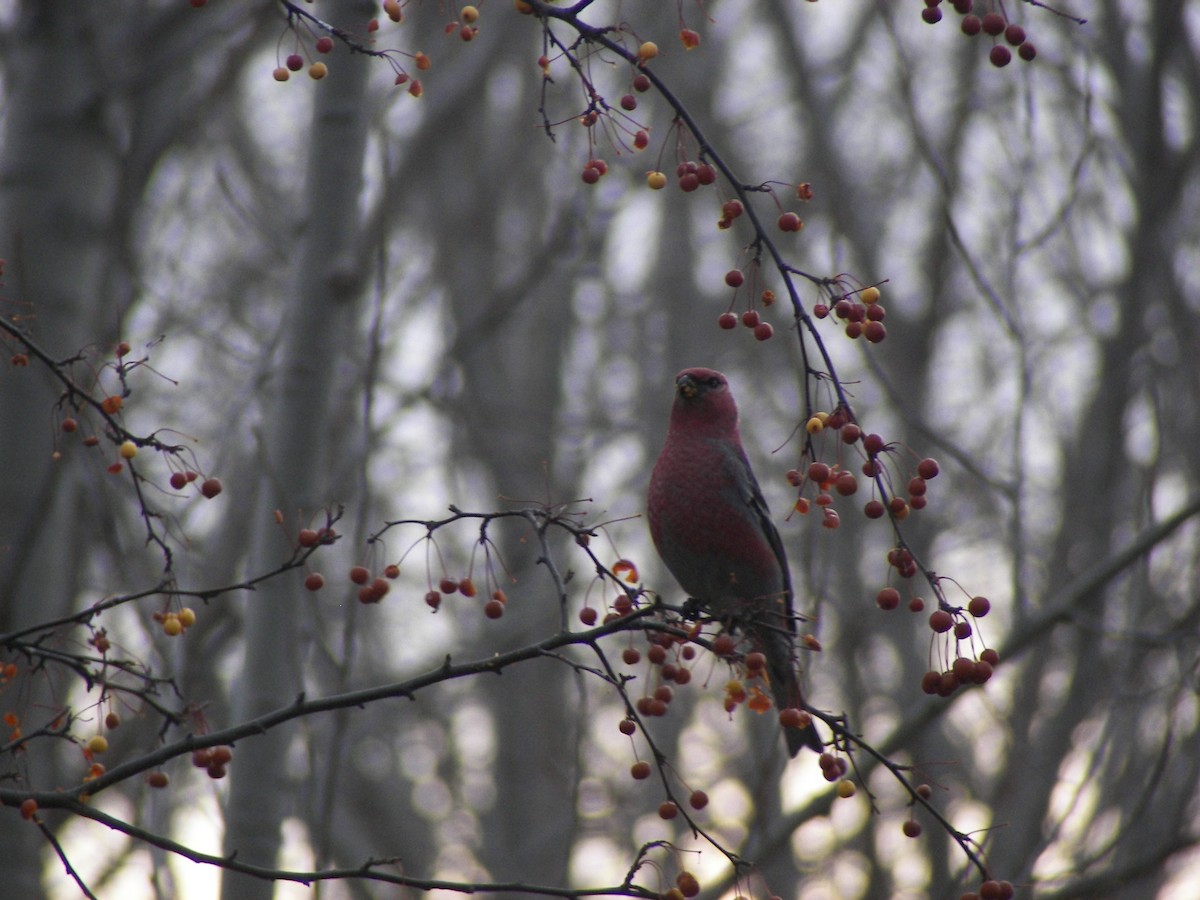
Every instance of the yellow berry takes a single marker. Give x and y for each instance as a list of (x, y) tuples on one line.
[(648, 50), (869, 295), (98, 743), (469, 14), (317, 71), (281, 73), (128, 450), (846, 789), (656, 180), (814, 425), (171, 625), (187, 617)]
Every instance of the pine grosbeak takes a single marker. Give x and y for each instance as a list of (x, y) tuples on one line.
[(712, 528)]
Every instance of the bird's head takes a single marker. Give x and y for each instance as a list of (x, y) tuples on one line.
[(702, 397)]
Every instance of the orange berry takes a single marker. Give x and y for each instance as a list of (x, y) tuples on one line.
[(29, 808), (317, 71), (667, 810), (98, 743), (157, 779), (640, 770), (112, 405)]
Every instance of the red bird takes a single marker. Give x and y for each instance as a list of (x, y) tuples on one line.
[(712, 528)]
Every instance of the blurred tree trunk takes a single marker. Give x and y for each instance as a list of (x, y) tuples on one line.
[(318, 326), (58, 193)]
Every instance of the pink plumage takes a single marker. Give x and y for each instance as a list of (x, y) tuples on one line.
[(712, 528)]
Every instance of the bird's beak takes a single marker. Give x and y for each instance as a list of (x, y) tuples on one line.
[(687, 387)]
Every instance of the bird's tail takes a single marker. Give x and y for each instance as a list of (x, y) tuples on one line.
[(785, 688)]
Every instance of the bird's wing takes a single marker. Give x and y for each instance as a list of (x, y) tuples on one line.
[(762, 513)]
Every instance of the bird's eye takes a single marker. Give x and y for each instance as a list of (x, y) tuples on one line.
[(714, 382)]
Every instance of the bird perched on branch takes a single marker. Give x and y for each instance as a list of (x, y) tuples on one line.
[(712, 528)]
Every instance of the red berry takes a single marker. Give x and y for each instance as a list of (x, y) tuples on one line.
[(588, 616), (493, 609), (941, 621), (734, 278), (723, 645), (728, 320), (640, 770), (916, 486), (706, 173), (912, 828), (315, 581), (1027, 51), (433, 600), (359, 574), (178, 481), (466, 587), (688, 182), (324, 44), (846, 484), (971, 25), (874, 509), (629, 103), (888, 599), (993, 23), (1015, 35), (820, 310), (979, 607), (211, 487), (763, 331), (667, 810), (295, 62), (157, 779), (1000, 56), (68, 425), (750, 318), (874, 331), (928, 468), (591, 175), (392, 571), (931, 14), (641, 82), (732, 209), (29, 808), (789, 221)]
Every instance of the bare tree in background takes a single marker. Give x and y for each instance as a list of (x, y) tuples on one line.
[(356, 307)]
